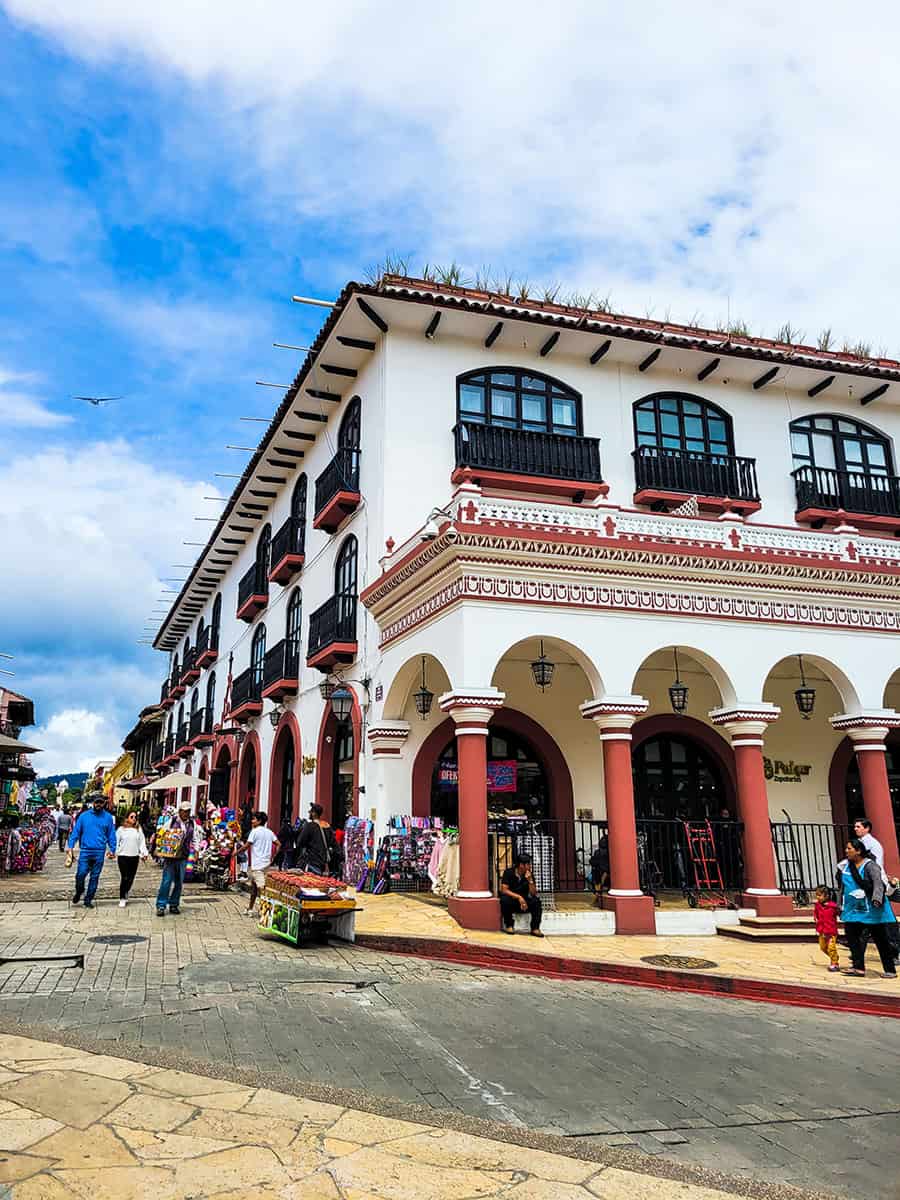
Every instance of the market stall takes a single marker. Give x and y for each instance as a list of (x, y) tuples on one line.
[(298, 906)]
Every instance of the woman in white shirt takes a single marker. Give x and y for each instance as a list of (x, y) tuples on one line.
[(131, 848)]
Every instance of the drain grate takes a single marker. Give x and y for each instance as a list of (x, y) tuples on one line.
[(679, 960), (117, 939)]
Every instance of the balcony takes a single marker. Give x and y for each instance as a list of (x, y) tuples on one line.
[(157, 753), (332, 634), (253, 594), (207, 648), (169, 748), (246, 696), (182, 740), (287, 551), (281, 671), (166, 698), (176, 685), (200, 730), (527, 461), (720, 482), (829, 497), (337, 490), (190, 670)]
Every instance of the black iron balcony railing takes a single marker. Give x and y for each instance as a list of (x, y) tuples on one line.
[(201, 722), (246, 688), (695, 473), (290, 539), (527, 452), (254, 583), (823, 487), (207, 640), (333, 621), (189, 663), (281, 662), (169, 745), (182, 737), (157, 753), (341, 475), (164, 692)]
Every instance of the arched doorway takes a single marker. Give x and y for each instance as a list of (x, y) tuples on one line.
[(517, 779), (284, 778), (248, 776), (220, 779), (337, 768), (676, 778), (853, 791)]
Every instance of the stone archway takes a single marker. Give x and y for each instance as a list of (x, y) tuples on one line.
[(249, 774)]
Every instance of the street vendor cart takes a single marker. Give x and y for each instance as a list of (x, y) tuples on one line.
[(299, 907)]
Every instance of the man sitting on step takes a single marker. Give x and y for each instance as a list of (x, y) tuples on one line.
[(518, 893)]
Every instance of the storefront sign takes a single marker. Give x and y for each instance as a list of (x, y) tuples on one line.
[(501, 775), (785, 772)]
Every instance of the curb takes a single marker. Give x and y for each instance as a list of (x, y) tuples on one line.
[(667, 979)]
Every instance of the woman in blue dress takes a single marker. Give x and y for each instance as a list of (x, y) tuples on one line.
[(865, 909)]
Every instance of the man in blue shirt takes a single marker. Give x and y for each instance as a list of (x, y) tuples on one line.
[(95, 833)]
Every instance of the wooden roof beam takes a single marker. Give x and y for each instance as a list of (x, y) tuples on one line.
[(355, 343), (600, 352), (549, 344), (368, 311), (705, 372), (821, 385), (764, 379), (650, 359), (874, 394), (493, 335)]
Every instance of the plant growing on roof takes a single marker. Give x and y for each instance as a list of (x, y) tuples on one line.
[(789, 333), (823, 341), (450, 276), (393, 264), (860, 349), (551, 293), (523, 289), (579, 299)]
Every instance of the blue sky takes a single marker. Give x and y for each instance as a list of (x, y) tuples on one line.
[(171, 173)]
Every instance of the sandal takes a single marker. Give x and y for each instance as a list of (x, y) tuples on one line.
[(853, 971)]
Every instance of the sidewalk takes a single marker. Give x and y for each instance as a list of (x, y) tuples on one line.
[(775, 972), (86, 1126)]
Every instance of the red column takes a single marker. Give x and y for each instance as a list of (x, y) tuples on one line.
[(634, 911), (474, 906), (876, 792), (761, 889)]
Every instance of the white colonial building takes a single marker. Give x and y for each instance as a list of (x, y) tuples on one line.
[(462, 495)]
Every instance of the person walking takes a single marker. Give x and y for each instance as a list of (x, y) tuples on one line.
[(131, 849), (865, 909), (94, 832), (316, 844), (825, 913), (63, 828), (262, 845), (173, 845), (862, 828)]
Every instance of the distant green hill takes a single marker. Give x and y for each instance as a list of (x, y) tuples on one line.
[(77, 779)]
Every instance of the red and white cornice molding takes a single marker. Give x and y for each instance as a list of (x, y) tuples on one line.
[(472, 708), (615, 715), (867, 730), (387, 738), (745, 724)]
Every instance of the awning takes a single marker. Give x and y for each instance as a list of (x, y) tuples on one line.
[(177, 779), (12, 745), (134, 785)]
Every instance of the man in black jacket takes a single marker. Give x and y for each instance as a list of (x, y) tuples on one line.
[(518, 893)]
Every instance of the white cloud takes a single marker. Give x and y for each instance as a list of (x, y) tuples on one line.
[(19, 406), (592, 143), (74, 740)]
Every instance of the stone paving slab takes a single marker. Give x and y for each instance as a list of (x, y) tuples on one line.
[(116, 1140)]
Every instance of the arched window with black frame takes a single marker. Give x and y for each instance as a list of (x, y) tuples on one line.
[(349, 441), (210, 706), (685, 444), (257, 658), (200, 627), (180, 728), (292, 631), (516, 399), (186, 650), (263, 557), (215, 622), (842, 463), (345, 583), (298, 514)]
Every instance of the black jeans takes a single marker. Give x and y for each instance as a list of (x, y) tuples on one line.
[(128, 865), (510, 907), (63, 838), (859, 932)]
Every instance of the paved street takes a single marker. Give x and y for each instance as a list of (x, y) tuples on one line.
[(751, 1089)]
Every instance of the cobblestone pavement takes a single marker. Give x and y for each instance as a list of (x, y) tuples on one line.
[(758, 1091)]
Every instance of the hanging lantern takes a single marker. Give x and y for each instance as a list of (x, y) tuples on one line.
[(804, 695), (341, 703), (542, 669), (275, 715), (326, 688), (423, 697), (678, 692)]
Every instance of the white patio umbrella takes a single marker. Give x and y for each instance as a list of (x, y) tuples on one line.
[(176, 779)]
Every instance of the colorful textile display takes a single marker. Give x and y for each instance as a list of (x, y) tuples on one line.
[(407, 851), (23, 847), (359, 852)]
